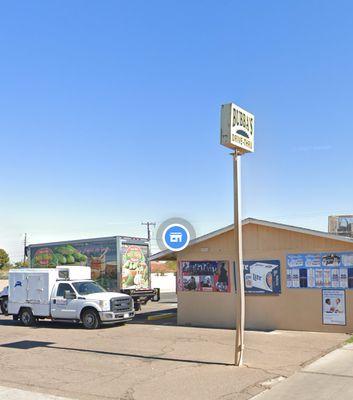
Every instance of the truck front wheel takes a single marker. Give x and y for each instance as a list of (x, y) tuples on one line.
[(27, 317), (4, 305), (90, 319)]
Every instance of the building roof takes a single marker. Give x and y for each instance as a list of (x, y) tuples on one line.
[(168, 254)]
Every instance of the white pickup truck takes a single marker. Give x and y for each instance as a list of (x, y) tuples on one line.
[(64, 293)]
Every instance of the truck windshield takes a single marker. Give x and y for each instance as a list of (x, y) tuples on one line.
[(87, 287)]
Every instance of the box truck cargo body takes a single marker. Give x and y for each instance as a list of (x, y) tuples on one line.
[(118, 263)]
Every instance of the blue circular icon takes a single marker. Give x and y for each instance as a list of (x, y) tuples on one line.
[(176, 237)]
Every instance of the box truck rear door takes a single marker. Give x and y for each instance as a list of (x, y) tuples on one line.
[(35, 289)]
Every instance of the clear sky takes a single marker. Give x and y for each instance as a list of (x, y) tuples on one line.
[(110, 114)]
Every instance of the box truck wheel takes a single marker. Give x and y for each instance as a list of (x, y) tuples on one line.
[(26, 317), (4, 305), (90, 319)]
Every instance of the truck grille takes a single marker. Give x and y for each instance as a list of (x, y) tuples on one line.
[(120, 305)]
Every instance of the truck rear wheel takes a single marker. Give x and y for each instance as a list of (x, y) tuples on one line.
[(27, 317), (90, 319), (4, 305)]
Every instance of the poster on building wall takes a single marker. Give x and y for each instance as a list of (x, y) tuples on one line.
[(329, 270), (262, 276), (333, 307), (204, 276)]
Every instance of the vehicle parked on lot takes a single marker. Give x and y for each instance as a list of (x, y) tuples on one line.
[(65, 293), (4, 298), (118, 263)]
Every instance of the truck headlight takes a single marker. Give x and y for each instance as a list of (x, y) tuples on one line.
[(104, 305)]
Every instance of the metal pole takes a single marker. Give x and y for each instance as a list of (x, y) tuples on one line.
[(148, 224), (238, 242)]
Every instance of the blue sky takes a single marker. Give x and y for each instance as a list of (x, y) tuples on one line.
[(110, 114)]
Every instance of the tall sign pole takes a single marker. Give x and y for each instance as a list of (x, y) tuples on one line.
[(239, 270), (237, 133)]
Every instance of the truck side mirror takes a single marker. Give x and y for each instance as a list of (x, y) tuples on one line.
[(69, 295)]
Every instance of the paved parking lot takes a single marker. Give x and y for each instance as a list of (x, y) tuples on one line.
[(149, 358)]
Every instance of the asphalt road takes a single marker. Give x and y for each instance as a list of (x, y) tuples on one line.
[(149, 359)]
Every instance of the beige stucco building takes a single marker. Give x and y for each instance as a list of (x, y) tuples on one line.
[(291, 309)]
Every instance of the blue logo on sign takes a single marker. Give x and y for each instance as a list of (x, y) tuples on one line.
[(18, 283), (176, 237)]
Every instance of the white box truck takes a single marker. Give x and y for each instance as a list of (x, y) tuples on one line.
[(65, 293)]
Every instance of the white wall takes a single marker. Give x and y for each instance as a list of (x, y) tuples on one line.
[(167, 282)]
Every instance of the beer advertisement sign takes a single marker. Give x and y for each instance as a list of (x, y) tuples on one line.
[(262, 277)]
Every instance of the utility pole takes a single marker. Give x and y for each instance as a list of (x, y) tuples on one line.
[(148, 224), (24, 248)]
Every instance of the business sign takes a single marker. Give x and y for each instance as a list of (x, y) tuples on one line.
[(341, 225), (237, 128), (263, 277), (333, 307), (203, 276), (328, 270)]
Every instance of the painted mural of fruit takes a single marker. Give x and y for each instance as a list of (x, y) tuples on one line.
[(60, 255), (43, 257), (70, 259)]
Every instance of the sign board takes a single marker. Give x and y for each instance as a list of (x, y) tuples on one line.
[(333, 307), (329, 270), (204, 276), (341, 225), (262, 277), (237, 128)]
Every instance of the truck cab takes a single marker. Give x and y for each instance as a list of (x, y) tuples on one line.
[(71, 300), (65, 293)]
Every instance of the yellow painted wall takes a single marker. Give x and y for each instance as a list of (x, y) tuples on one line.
[(293, 309)]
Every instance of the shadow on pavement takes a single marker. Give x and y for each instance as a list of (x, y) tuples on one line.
[(142, 317), (30, 344)]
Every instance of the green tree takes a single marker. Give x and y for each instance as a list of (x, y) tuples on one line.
[(171, 266), (4, 258), (20, 264)]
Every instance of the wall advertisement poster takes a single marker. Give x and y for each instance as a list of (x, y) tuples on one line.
[(262, 277), (320, 270), (204, 276), (333, 307)]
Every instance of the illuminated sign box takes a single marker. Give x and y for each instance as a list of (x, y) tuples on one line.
[(237, 128)]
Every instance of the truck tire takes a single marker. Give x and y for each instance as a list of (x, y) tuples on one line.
[(27, 317), (90, 319), (4, 305)]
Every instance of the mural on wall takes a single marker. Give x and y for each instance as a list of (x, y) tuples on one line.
[(204, 276)]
